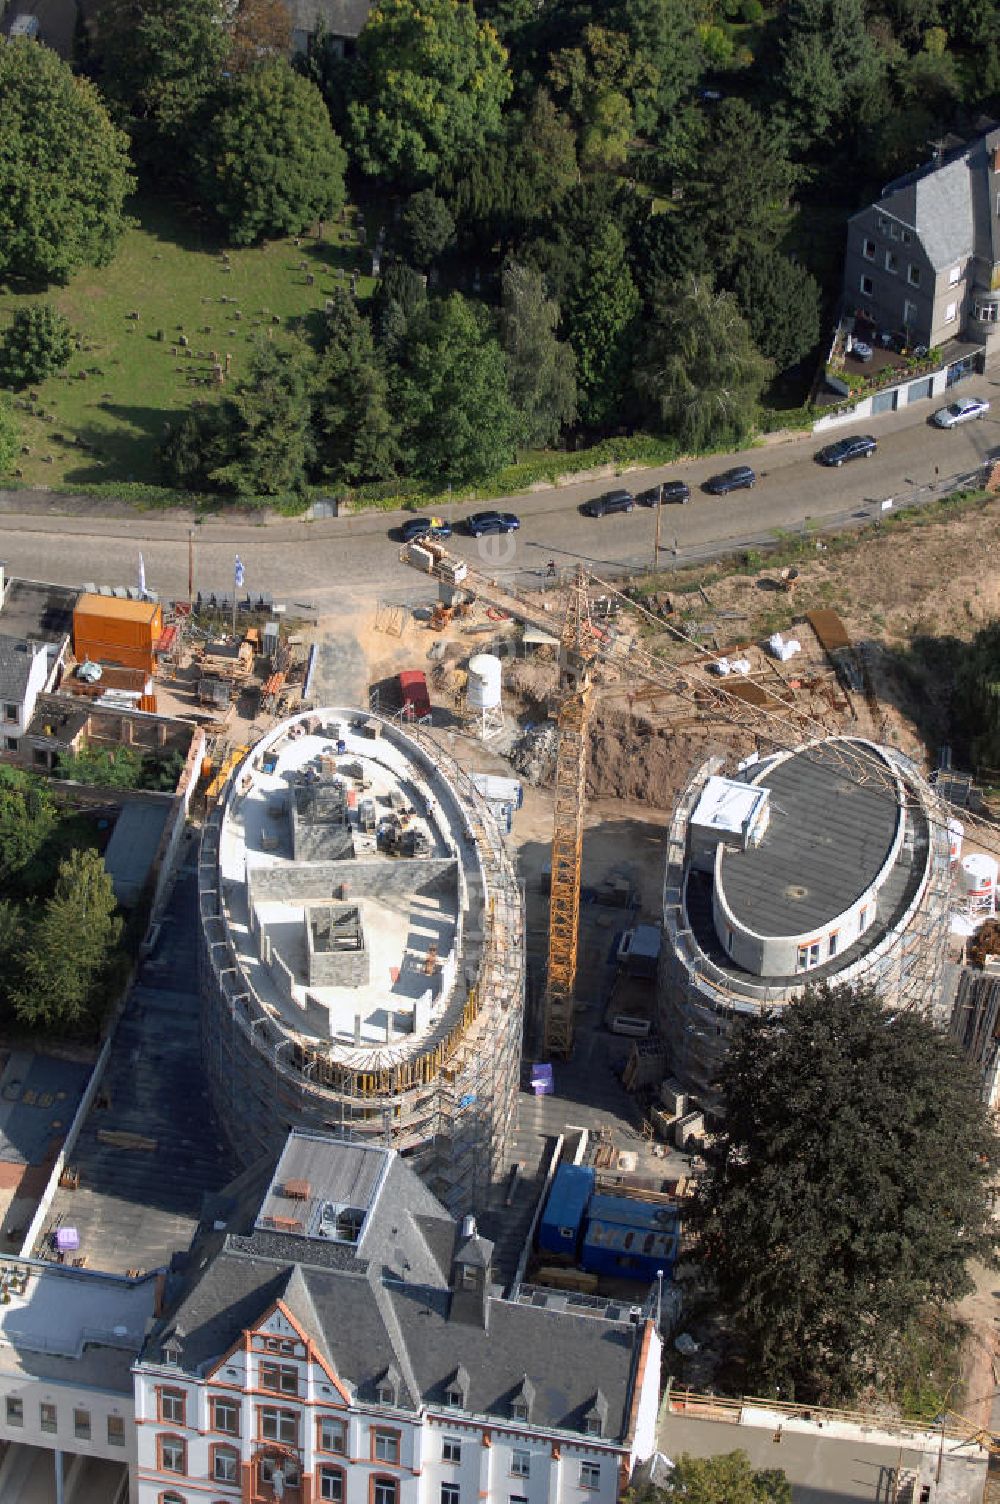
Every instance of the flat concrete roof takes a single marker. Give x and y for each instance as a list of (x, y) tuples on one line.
[(828, 837), (838, 1464), (72, 1322), (409, 907), (312, 1174), (36, 611)]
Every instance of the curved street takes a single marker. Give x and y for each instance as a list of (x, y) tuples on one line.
[(336, 563)]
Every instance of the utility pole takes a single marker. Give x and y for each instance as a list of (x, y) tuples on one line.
[(191, 567), (656, 541)]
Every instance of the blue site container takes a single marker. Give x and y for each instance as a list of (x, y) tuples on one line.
[(559, 1227), (630, 1238)]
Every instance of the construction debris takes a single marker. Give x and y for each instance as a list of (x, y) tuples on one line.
[(533, 755)]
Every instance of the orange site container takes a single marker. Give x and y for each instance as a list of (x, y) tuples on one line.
[(107, 630)]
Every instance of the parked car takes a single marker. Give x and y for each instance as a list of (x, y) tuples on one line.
[(672, 491), (492, 522), (855, 447), (962, 410), (425, 527), (739, 478), (611, 501)]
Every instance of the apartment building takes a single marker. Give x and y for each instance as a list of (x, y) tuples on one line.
[(339, 1338)]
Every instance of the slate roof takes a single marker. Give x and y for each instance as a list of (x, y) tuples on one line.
[(950, 205), (15, 667), (338, 18), (386, 1305)]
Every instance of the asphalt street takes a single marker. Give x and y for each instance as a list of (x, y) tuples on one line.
[(341, 563)]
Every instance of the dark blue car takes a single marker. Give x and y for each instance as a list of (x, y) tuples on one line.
[(425, 527), (492, 522), (739, 478)]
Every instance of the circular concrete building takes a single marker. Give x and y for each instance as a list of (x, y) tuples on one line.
[(362, 952), (826, 863)]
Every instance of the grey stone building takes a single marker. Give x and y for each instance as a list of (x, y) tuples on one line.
[(923, 261)]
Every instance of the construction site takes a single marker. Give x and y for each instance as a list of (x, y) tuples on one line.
[(362, 951)]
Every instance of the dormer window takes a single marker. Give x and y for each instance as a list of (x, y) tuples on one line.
[(521, 1401), (387, 1386), (596, 1418), (453, 1398), (457, 1389)]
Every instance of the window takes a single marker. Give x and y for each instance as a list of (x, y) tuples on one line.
[(385, 1491), (867, 286), (116, 1430), (519, 1410), (864, 918), (951, 313), (15, 1411), (10, 743), (331, 1484), (832, 943), (954, 275), (279, 1425), (385, 1446), (226, 1416), (909, 313), (173, 1454), (81, 1424), (518, 1499), (808, 956), (988, 313), (9, 711), (47, 1417), (907, 237), (332, 1434), (595, 1426), (386, 1392), (281, 1377), (868, 250), (470, 1279), (289, 1471), (450, 1493), (913, 275), (279, 1345), (225, 1464), (455, 1398), (520, 1463), (893, 231), (590, 1475), (173, 1406), (883, 225), (451, 1449), (171, 1498), (891, 262)]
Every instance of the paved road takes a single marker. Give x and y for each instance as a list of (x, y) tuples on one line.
[(349, 561)]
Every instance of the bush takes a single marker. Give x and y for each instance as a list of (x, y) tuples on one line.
[(9, 438), (37, 343), (752, 12)]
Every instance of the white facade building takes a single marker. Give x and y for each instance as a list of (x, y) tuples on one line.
[(365, 1358)]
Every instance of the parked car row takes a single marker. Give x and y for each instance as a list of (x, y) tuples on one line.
[(854, 446)]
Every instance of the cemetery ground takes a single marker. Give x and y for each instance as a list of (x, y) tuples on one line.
[(154, 331)]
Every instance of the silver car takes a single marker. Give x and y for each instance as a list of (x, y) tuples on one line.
[(963, 410)]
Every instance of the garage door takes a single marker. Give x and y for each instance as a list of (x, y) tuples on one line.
[(918, 390), (884, 402)]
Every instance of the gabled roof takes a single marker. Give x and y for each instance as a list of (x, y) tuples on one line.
[(16, 658), (338, 18), (939, 207)]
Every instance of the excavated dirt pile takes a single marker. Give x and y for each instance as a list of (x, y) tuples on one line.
[(630, 758)]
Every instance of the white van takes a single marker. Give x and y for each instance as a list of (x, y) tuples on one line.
[(628, 1023)]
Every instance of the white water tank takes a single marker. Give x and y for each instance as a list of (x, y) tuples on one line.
[(956, 831), (977, 876), (483, 689)]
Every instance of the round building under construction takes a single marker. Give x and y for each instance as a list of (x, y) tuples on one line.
[(362, 952), (826, 863)]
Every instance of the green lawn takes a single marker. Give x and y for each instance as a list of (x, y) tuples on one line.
[(99, 420)]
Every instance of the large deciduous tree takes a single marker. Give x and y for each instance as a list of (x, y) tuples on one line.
[(698, 367), (832, 72), (161, 62), (430, 84), (450, 389), (729, 1478), (541, 368), (271, 162), (37, 342), (70, 946), (64, 169), (846, 1191)]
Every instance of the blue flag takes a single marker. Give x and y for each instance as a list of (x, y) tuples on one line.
[(239, 574)]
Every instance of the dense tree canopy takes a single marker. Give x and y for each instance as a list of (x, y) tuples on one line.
[(64, 169), (10, 437), (727, 1479), (354, 433), (450, 393), (847, 1189), (69, 949), (36, 342), (430, 84), (600, 316), (270, 161), (541, 368), (781, 303)]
